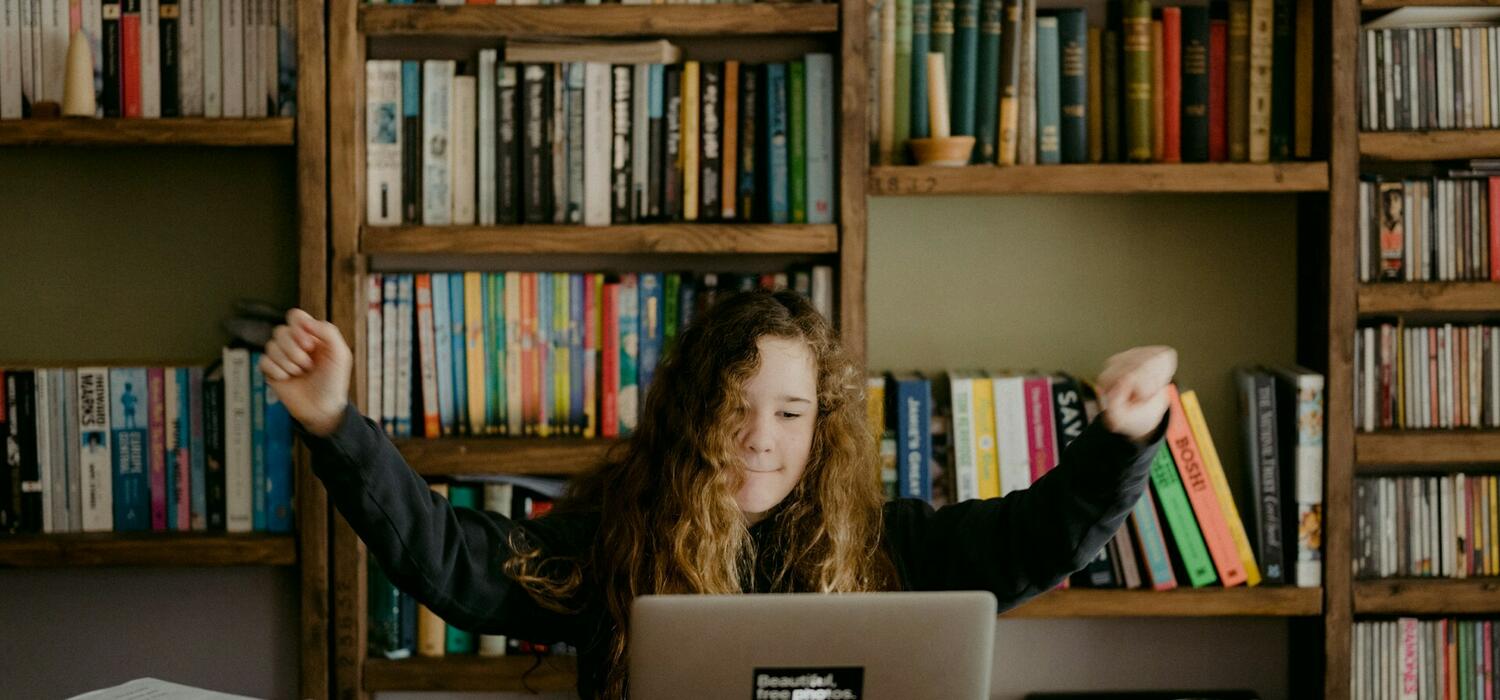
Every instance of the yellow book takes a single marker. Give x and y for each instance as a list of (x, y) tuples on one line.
[(561, 354), (1494, 510), (432, 632), (875, 408), (987, 456), (689, 149), (1215, 469), (474, 349)]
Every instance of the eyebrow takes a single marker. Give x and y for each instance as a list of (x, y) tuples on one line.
[(793, 399)]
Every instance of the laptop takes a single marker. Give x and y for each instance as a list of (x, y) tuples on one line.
[(813, 646)]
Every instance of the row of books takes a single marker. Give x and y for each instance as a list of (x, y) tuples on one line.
[(101, 449), (973, 435), (572, 2), (534, 353), (1421, 659), (1426, 376), (154, 58), (1430, 68), (1446, 526), (1429, 229), (597, 144), (401, 627), (1227, 81)]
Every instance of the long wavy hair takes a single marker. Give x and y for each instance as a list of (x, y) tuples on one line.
[(665, 498)]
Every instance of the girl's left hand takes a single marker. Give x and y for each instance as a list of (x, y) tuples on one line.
[(1133, 390)]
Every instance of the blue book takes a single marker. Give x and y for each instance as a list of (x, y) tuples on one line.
[(687, 302), (775, 140), (494, 350), (820, 137), (545, 348), (650, 293), (257, 445), (1048, 93), (1152, 543), (442, 334), (129, 430), (183, 458), (278, 469), (459, 350), (921, 44), (913, 436), (406, 343), (576, 328), (630, 339), (1073, 83), (562, 362), (987, 99), (961, 77), (197, 458)]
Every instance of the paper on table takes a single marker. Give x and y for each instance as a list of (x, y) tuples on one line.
[(153, 689)]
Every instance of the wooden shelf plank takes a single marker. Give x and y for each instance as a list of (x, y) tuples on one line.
[(595, 240), (1405, 297), (472, 673), (147, 549), (477, 456), (600, 21), (1396, 4), (1429, 145), (1427, 597), (276, 131), (1099, 179), (1269, 601), (1418, 447)]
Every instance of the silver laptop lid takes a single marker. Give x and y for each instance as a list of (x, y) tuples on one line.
[(813, 646)]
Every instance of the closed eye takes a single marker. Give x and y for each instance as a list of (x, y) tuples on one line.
[(789, 415)]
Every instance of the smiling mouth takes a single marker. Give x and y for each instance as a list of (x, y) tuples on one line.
[(762, 471)]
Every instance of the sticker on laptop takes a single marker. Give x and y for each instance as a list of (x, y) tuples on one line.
[(809, 683)]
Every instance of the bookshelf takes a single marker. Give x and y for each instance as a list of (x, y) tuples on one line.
[(306, 550), (1268, 601), (1423, 297), (750, 32), (1429, 145), (1427, 597), (915, 180)]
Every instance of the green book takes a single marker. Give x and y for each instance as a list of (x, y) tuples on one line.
[(383, 641), (494, 343), (921, 45), (1073, 84), (902, 126), (671, 289), (963, 67), (796, 112), (460, 641), (1137, 78), (987, 105), (1110, 61), (1048, 94), (1174, 504)]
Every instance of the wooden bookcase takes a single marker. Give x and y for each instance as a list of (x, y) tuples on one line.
[(752, 33), (307, 548)]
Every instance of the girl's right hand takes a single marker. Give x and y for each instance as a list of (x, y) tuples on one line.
[(308, 364)]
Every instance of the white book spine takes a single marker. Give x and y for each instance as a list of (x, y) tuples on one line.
[(383, 142), (388, 322), (1010, 433), (822, 290), (250, 66), (237, 447), (213, 62), (820, 135), (374, 347), (42, 397), (95, 464), (10, 59), (640, 140), (437, 108), (463, 149), (403, 355), (151, 59), (598, 128), (232, 63), (92, 23), (54, 48), (269, 50), (190, 65), (486, 136)]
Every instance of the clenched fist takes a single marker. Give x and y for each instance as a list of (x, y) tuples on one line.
[(1133, 390), (308, 364)]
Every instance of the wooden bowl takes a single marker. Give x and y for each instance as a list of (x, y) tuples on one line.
[(944, 150)]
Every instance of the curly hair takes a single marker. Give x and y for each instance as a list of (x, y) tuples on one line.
[(666, 496)]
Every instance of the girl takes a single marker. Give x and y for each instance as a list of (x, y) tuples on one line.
[(752, 470)]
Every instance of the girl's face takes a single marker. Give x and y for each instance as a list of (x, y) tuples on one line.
[(777, 435)]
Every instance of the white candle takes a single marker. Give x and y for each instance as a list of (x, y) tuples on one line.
[(937, 95)]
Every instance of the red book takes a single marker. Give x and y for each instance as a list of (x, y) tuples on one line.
[(156, 447), (1200, 491), (1041, 443), (1171, 78), (1218, 90), (1495, 229), (130, 58), (609, 348)]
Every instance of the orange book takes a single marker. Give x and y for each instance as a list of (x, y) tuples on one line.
[(1200, 490), (729, 145), (426, 345)]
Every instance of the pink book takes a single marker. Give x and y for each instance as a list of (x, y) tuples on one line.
[(1041, 442), (156, 449)]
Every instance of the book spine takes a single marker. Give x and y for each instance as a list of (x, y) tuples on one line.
[(1259, 95), (182, 491), (1305, 28), (574, 76), (1171, 81), (213, 58), (1068, 413), (1072, 37), (257, 445), (1195, 85), (442, 337), (128, 449), (1178, 513), (630, 329), (1218, 88), (169, 42), (1040, 426), (620, 167), (278, 469), (190, 58), (901, 123), (609, 361), (157, 448), (656, 125), (1010, 80), (536, 109), (1094, 110), (671, 187), (691, 139), (921, 45), (1215, 470), (796, 111), (286, 58), (411, 142), (507, 143), (54, 46), (130, 59), (1264, 454), (93, 408), (1137, 79), (487, 381), (1152, 543), (10, 59), (820, 138), (1210, 513), (461, 149), (940, 40), (598, 128), (1111, 61), (45, 480), (650, 290), (640, 142), (963, 458), (402, 415), (750, 114), (1026, 89), (1238, 102), (471, 413), (437, 125), (777, 117), (383, 195), (1158, 94), (913, 431), (214, 444), (987, 463), (711, 140), (1283, 91), (986, 123)]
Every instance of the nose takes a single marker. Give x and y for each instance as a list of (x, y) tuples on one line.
[(756, 438)]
